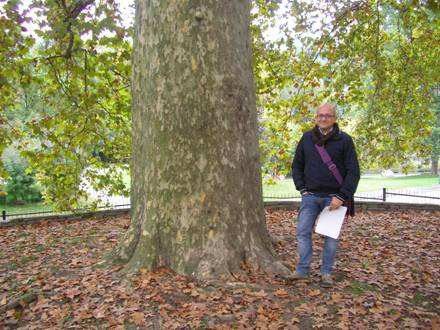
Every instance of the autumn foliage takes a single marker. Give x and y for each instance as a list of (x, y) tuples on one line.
[(387, 276)]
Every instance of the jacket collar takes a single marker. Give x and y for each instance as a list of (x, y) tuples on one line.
[(320, 139)]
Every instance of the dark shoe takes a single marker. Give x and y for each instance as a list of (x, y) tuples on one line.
[(296, 277), (327, 281)]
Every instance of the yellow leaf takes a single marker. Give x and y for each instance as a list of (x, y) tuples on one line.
[(193, 64), (202, 197), (138, 318), (294, 320), (336, 297)]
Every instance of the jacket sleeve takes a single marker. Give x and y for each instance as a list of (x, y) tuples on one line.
[(298, 167), (352, 176)]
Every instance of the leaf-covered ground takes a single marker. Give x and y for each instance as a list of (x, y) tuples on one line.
[(387, 276)]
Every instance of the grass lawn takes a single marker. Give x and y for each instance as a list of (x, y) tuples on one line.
[(27, 208), (285, 188), (413, 181)]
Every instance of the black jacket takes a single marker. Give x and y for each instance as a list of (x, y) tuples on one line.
[(311, 174)]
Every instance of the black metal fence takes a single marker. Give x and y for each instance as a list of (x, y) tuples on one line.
[(408, 195), (14, 215)]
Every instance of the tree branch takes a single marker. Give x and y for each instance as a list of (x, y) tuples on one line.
[(80, 6), (71, 13)]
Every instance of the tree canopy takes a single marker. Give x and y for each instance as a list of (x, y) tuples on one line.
[(65, 69)]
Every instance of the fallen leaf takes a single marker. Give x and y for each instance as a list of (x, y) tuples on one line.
[(314, 292), (138, 318), (294, 320), (260, 294), (71, 293), (99, 313), (281, 293), (336, 297)]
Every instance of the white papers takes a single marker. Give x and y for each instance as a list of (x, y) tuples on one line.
[(329, 223)]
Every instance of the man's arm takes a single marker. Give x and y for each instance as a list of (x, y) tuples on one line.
[(352, 177), (298, 167)]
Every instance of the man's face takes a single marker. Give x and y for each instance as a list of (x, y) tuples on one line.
[(325, 118)]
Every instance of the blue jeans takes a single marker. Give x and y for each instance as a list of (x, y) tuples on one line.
[(311, 206)]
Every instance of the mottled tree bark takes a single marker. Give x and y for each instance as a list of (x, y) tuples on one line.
[(196, 185)]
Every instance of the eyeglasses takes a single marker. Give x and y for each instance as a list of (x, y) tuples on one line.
[(325, 116)]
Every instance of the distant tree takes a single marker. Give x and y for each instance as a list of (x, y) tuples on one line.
[(434, 139)]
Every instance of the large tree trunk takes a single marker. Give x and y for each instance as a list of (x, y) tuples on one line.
[(196, 186)]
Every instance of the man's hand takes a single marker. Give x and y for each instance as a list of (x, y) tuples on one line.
[(335, 203)]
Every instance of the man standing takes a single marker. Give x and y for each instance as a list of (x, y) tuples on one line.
[(320, 186)]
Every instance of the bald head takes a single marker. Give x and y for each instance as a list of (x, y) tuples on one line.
[(326, 107)]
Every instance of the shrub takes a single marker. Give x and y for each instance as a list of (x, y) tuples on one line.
[(20, 186)]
